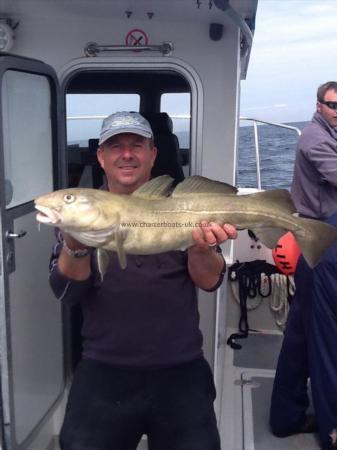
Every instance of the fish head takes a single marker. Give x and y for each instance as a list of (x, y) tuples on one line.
[(69, 208)]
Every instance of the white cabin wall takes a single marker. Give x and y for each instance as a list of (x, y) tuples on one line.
[(62, 39), (220, 112)]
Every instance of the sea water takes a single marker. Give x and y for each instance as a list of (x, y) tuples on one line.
[(277, 155)]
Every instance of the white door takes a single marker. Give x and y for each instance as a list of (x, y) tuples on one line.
[(31, 347)]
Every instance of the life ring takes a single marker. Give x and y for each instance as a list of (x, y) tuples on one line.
[(286, 254)]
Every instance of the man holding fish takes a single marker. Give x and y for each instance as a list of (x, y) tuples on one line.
[(143, 370)]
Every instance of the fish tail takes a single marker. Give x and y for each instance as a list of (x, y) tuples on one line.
[(314, 237)]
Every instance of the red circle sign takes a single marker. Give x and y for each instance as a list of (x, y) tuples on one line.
[(136, 38)]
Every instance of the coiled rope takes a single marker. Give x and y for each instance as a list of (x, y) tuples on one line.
[(251, 282), (283, 289)]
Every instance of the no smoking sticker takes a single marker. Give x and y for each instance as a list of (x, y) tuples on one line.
[(136, 38)]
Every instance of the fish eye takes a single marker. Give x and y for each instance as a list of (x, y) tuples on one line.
[(69, 198)]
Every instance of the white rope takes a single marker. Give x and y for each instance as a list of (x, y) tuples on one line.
[(278, 298)]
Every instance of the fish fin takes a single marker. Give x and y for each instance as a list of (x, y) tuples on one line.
[(156, 188), (120, 235), (268, 236), (202, 185), (314, 238), (281, 198), (103, 257)]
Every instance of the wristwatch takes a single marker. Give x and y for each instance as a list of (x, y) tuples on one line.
[(79, 253)]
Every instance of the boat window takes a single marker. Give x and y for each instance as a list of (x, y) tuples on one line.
[(27, 136), (161, 96), (178, 107), (85, 113)]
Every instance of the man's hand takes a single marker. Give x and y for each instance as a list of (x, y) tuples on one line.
[(211, 234), (204, 264)]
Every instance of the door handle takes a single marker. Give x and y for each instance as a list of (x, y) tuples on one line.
[(10, 235)]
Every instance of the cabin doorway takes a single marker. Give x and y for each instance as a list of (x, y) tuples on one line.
[(164, 97)]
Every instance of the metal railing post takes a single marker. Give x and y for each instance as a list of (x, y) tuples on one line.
[(257, 156), (256, 142)]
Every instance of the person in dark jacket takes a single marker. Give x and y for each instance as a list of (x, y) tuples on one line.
[(142, 370), (314, 186), (308, 349)]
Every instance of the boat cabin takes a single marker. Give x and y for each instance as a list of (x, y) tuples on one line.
[(64, 66)]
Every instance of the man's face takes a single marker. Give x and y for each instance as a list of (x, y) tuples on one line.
[(330, 115), (127, 160)]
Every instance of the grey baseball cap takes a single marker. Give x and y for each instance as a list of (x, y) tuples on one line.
[(124, 122)]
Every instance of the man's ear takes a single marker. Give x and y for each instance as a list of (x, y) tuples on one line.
[(155, 152), (100, 157), (318, 107)]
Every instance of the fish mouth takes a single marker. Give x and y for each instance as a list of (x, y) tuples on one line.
[(47, 215)]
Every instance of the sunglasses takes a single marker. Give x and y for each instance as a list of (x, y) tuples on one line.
[(331, 105)]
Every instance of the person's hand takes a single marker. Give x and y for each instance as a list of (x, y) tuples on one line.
[(210, 234), (204, 264)]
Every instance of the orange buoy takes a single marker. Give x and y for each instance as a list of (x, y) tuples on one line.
[(286, 254)]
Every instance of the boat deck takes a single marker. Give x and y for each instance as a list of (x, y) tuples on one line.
[(248, 381)]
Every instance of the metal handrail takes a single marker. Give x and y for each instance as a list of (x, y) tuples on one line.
[(92, 48), (256, 140)]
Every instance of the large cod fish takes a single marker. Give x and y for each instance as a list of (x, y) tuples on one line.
[(157, 219)]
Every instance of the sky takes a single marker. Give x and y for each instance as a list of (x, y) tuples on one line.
[(294, 51)]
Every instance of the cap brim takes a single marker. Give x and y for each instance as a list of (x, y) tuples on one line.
[(111, 133)]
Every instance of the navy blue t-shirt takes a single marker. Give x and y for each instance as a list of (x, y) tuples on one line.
[(143, 316)]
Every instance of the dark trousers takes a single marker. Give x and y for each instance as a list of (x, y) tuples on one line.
[(290, 400), (309, 349), (111, 408)]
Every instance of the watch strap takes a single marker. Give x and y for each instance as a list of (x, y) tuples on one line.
[(79, 253)]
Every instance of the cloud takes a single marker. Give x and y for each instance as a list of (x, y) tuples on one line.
[(293, 52), (293, 21)]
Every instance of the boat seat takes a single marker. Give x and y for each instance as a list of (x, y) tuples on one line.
[(168, 161), (92, 175)]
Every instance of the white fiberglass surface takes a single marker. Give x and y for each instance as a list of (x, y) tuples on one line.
[(36, 353)]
